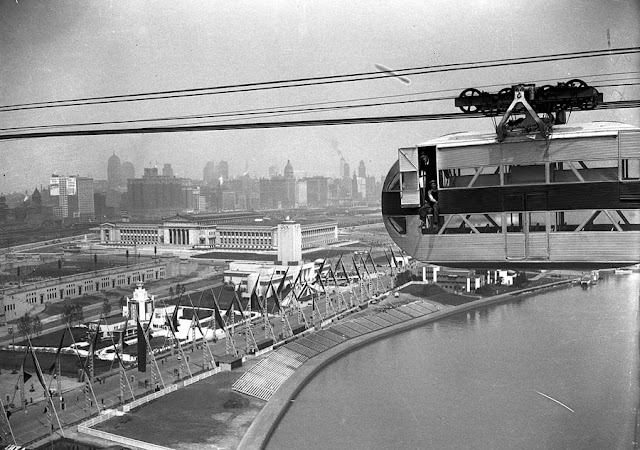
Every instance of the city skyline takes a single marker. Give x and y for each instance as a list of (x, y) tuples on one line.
[(132, 168), (100, 49)]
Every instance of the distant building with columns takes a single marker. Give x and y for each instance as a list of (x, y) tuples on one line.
[(240, 231)]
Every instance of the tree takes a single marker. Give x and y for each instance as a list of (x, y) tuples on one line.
[(520, 280), (78, 313), (122, 301), (25, 325), (37, 325), (171, 292), (12, 334), (127, 255), (403, 278), (67, 313), (106, 307)]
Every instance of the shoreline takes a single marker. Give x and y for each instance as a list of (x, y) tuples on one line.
[(259, 432)]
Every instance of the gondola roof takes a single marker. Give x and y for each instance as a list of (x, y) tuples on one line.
[(567, 131)]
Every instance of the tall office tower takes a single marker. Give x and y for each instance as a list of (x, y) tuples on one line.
[(301, 194), (362, 170), (209, 173), (127, 171), (290, 186), (86, 206), (154, 195), (268, 198), (223, 170), (167, 171), (317, 191), (62, 187), (114, 174), (273, 171), (342, 164), (36, 199), (347, 172), (288, 170)]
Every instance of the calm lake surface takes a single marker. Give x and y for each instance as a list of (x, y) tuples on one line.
[(476, 380)]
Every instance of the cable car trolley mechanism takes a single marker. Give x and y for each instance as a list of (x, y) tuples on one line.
[(537, 192)]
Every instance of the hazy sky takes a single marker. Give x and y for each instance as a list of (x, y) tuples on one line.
[(52, 50)]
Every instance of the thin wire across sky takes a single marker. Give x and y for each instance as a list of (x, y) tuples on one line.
[(220, 120)]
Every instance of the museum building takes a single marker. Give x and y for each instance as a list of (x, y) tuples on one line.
[(242, 231)]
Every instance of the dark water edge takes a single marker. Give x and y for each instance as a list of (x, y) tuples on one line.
[(598, 320)]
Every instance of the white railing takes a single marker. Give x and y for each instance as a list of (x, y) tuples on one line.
[(148, 398), (201, 376), (120, 439), (98, 419)]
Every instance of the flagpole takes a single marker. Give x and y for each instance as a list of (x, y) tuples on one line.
[(122, 371), (23, 404), (88, 388), (59, 375), (46, 393), (153, 358), (5, 420)]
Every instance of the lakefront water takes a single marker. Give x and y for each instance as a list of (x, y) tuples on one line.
[(554, 370)]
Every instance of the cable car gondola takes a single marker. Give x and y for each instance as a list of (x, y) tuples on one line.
[(536, 193)]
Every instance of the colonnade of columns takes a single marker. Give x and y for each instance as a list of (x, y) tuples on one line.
[(178, 236)]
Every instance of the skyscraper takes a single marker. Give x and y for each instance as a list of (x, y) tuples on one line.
[(86, 206), (223, 170), (317, 191), (127, 171), (114, 175), (290, 186), (209, 173), (362, 170), (156, 195), (288, 170), (62, 187), (167, 171)]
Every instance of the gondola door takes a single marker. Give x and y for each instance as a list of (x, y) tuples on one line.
[(409, 177), (537, 223), (513, 227), (526, 239)]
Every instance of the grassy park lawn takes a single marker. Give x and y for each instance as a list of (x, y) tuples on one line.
[(437, 294), (201, 415)]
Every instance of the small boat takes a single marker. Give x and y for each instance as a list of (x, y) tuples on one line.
[(623, 271), (586, 280), (589, 279)]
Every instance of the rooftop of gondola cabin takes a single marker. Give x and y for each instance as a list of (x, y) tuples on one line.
[(567, 131)]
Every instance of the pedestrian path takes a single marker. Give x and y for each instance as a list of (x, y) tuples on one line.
[(264, 379)]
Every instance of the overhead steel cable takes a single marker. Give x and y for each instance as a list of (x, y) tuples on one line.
[(299, 109), (264, 125), (237, 115), (313, 81)]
